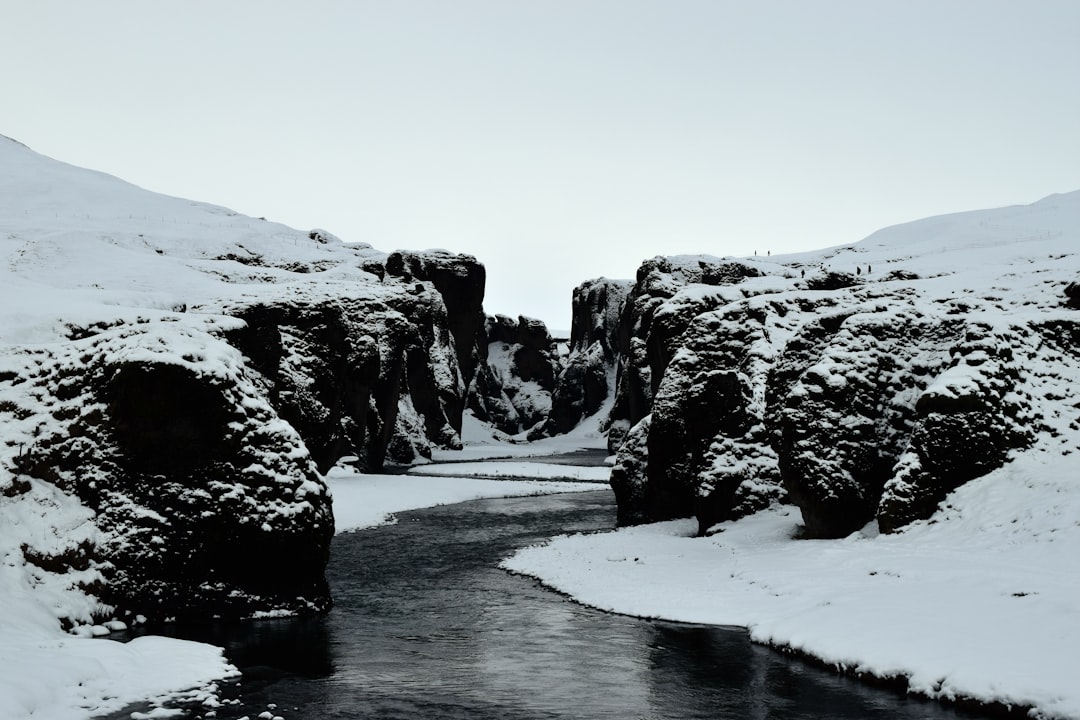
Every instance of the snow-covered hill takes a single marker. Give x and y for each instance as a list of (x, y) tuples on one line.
[(879, 443)]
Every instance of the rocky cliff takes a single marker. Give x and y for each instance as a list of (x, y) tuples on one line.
[(517, 367), (862, 383), (198, 438), (187, 375), (587, 380)]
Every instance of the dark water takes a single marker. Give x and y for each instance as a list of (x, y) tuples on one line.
[(426, 626)]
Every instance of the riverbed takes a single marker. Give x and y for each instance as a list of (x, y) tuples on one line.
[(426, 625)]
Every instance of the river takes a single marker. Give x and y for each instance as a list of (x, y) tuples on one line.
[(426, 626)]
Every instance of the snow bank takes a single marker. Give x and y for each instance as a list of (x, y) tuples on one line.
[(534, 470), (481, 442), (46, 674), (982, 601), (362, 501)]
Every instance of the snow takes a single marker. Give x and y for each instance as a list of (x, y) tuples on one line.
[(49, 675), (981, 601), (534, 470), (482, 443), (362, 501)]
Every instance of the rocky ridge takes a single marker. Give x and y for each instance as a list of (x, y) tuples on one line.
[(187, 374), (858, 395), (518, 363)]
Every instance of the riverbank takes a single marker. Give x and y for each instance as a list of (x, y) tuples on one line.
[(362, 500), (982, 602), (47, 674)]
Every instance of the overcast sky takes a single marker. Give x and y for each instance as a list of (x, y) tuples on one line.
[(559, 140)]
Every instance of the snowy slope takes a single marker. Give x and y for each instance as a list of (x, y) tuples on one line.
[(80, 246)]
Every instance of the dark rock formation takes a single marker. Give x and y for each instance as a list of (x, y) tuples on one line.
[(967, 422), (519, 363), (645, 342), (206, 503), (200, 448), (372, 377), (321, 373), (588, 377), (848, 414), (629, 476), (708, 436), (459, 280), (833, 280), (1072, 293), (849, 399)]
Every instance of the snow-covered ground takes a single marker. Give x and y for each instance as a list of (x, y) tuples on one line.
[(362, 501), (46, 674), (495, 469), (982, 601), (481, 442)]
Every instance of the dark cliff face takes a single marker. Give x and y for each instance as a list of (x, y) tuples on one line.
[(850, 399), (321, 374), (587, 378), (205, 501), (376, 377), (1072, 295), (459, 281), (200, 446), (516, 375), (647, 338)]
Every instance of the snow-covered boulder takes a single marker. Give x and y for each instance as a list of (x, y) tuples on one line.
[(967, 421), (206, 502)]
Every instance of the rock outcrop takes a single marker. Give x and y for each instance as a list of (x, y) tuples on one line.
[(857, 398), (460, 281), (1072, 295), (518, 364), (198, 437), (587, 379), (646, 342), (206, 502)]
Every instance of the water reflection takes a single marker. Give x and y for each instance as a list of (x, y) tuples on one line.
[(556, 656)]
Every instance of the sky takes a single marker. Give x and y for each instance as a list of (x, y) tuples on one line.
[(558, 140)]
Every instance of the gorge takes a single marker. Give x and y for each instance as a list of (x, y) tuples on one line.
[(177, 380)]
